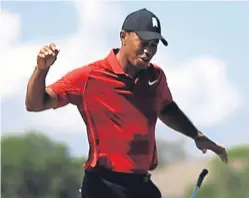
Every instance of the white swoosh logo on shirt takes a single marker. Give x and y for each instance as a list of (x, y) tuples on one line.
[(153, 82)]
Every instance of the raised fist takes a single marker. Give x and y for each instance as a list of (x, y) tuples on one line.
[(47, 56)]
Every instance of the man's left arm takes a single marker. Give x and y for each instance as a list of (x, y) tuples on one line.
[(171, 115)]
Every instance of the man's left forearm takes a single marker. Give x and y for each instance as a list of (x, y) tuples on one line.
[(174, 118)]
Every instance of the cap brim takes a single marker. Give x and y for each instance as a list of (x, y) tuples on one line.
[(147, 36)]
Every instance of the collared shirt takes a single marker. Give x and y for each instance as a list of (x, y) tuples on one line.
[(120, 113)]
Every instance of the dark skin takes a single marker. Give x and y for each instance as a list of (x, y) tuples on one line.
[(134, 55), (131, 55)]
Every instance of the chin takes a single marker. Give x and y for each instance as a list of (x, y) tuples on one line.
[(140, 65), (143, 65)]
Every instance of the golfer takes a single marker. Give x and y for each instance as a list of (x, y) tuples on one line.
[(120, 98)]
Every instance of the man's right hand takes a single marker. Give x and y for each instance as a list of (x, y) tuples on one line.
[(47, 56), (38, 97)]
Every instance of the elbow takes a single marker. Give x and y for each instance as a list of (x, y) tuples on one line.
[(29, 109), (32, 108)]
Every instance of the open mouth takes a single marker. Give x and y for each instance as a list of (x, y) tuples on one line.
[(145, 60)]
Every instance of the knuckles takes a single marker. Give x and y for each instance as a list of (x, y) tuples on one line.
[(47, 55), (48, 51)]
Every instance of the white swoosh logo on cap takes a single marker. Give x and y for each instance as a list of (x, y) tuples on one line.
[(153, 82)]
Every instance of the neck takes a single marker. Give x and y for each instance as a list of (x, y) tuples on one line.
[(124, 63)]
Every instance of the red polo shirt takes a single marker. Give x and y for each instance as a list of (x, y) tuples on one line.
[(120, 113)]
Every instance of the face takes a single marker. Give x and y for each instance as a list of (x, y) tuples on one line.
[(138, 52)]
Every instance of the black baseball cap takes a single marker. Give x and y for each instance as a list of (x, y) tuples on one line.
[(145, 24)]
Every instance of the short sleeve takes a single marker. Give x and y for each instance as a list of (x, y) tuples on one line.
[(164, 93), (70, 88)]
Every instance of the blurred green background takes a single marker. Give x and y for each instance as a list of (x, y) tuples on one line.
[(34, 166)]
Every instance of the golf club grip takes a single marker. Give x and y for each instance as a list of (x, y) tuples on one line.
[(201, 177)]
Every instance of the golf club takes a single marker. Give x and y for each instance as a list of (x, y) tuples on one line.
[(199, 182)]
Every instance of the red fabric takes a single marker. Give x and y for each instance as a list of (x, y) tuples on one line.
[(120, 113)]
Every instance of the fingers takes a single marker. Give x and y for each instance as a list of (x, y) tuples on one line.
[(47, 56), (223, 155), (49, 50), (54, 49), (52, 46), (204, 151), (41, 55), (221, 152), (205, 144)]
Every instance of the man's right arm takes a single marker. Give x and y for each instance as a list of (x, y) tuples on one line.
[(68, 89), (38, 97)]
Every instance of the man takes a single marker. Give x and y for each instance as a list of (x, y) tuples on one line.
[(120, 99)]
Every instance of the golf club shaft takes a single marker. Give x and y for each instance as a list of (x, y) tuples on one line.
[(195, 192), (199, 182)]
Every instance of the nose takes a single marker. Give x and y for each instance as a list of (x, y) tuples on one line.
[(147, 51)]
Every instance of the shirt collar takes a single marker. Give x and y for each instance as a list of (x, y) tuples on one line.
[(115, 65), (113, 62)]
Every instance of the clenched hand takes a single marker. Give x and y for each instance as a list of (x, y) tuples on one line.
[(47, 56)]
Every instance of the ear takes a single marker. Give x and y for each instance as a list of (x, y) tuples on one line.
[(123, 37)]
